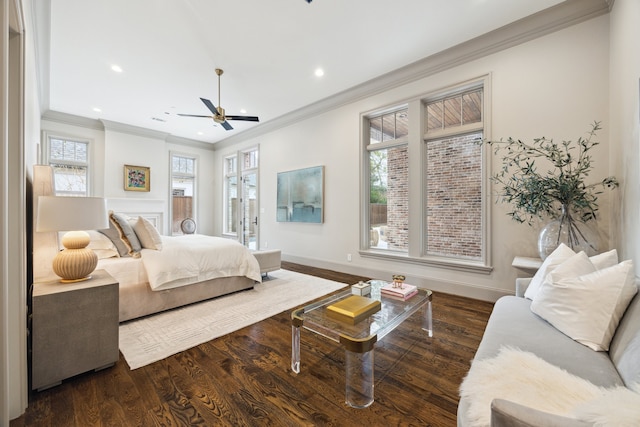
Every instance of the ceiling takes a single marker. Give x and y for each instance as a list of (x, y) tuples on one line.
[(269, 50)]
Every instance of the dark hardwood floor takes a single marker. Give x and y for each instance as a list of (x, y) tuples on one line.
[(245, 379)]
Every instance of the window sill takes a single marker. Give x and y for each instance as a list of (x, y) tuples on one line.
[(439, 262)]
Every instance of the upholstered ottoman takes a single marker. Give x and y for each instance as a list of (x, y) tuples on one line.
[(268, 260)]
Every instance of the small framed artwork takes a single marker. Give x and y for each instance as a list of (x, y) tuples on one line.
[(137, 178)]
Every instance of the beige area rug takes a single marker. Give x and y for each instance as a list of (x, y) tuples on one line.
[(156, 337)]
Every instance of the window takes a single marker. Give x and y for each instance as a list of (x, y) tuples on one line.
[(453, 176), (69, 160), (388, 181), (183, 183), (448, 188)]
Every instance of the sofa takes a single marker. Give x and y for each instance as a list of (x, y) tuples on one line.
[(523, 323)]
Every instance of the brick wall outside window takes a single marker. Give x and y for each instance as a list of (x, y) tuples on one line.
[(398, 198), (454, 197)]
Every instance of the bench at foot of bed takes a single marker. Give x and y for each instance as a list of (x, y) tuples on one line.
[(268, 260)]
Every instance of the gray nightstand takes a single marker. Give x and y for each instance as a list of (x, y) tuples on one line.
[(74, 328)]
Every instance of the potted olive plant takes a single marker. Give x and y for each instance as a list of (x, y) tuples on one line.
[(546, 179)]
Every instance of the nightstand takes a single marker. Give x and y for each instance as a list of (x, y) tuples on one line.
[(74, 328)]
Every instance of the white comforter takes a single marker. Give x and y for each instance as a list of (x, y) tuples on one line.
[(193, 258)]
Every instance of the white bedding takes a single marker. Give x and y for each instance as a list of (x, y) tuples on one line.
[(126, 270), (193, 258)]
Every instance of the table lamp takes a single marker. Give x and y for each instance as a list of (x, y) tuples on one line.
[(56, 213)]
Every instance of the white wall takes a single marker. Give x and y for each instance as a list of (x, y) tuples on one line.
[(625, 124), (115, 146), (553, 86)]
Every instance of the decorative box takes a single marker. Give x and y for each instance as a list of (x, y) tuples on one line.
[(361, 288)]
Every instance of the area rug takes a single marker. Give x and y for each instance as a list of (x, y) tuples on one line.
[(528, 380), (156, 337)]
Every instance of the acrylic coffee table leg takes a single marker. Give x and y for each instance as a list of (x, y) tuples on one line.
[(427, 319), (359, 369), (295, 344)]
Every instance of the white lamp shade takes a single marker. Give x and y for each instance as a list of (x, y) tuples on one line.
[(57, 213)]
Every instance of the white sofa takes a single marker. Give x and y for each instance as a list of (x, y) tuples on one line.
[(512, 323)]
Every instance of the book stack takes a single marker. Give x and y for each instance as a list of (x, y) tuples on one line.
[(353, 309), (404, 293)]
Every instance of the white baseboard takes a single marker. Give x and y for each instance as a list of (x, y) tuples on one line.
[(468, 290)]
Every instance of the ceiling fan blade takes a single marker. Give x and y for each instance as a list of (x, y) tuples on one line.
[(245, 118), (226, 125), (210, 106), (195, 115)]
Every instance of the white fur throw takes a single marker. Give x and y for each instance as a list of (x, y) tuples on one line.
[(524, 378)]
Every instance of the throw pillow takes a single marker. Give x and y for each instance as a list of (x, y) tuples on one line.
[(147, 234), (574, 266), (605, 259), (560, 254), (589, 307), (114, 235), (126, 233)]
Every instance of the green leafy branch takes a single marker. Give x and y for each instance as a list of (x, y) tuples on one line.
[(535, 193)]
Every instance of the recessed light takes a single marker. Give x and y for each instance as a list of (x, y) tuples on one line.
[(319, 72), (243, 111), (97, 110), (116, 68), (200, 133)]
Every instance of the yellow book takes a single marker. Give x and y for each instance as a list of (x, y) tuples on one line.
[(353, 309)]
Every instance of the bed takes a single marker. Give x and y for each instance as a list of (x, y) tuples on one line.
[(158, 273)]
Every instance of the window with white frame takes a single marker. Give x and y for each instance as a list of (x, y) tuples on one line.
[(183, 190), (70, 160), (451, 227)]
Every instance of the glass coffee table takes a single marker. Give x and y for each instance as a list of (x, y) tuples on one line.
[(358, 339)]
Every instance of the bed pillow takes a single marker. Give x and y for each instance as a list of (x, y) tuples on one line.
[(102, 245), (126, 234), (114, 235), (557, 257), (99, 243), (147, 234), (589, 307)]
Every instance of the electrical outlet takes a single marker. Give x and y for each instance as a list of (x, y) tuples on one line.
[(349, 257)]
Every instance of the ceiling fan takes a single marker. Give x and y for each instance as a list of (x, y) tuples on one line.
[(218, 112)]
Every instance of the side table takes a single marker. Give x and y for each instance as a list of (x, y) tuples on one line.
[(74, 328)]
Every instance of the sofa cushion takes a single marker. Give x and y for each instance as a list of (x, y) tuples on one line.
[(589, 307), (513, 323)]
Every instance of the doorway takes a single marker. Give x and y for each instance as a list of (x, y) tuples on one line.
[(248, 223)]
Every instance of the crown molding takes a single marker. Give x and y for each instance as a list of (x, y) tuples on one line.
[(555, 18), (178, 140), (133, 130), (71, 119), (103, 125)]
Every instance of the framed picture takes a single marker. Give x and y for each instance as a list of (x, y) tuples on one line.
[(137, 178), (300, 195)]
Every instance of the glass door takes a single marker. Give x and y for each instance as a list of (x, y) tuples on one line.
[(249, 212), (249, 205)]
